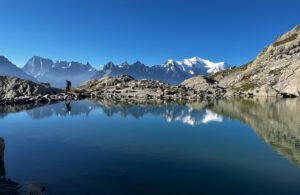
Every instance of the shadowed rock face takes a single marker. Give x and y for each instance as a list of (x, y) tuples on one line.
[(12, 87), (276, 121)]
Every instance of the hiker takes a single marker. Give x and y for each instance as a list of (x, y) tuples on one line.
[(68, 85)]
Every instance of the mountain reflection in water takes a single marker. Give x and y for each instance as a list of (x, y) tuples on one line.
[(240, 146), (275, 121)]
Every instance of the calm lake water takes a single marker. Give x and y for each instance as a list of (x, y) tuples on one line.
[(226, 147)]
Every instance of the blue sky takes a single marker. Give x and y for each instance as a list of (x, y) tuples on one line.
[(148, 30)]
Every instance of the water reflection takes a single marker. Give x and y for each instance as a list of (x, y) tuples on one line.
[(276, 121), (194, 114)]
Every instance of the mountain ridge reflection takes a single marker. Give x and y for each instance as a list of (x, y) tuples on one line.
[(186, 114), (275, 121)]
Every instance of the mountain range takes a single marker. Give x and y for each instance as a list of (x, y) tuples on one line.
[(173, 72), (47, 71), (55, 73)]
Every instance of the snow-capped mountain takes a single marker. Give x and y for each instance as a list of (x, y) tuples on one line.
[(45, 70), (9, 69), (196, 66), (171, 71)]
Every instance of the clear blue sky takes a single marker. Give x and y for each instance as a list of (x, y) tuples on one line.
[(148, 30)]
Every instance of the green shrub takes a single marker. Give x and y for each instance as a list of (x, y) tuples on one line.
[(247, 86), (286, 40), (275, 72)]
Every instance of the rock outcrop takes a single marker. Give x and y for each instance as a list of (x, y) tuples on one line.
[(18, 91), (12, 87), (274, 72), (204, 85)]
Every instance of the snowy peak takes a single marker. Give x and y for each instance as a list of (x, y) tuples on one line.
[(197, 66), (171, 71)]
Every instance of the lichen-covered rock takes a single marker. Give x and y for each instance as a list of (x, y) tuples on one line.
[(205, 86), (198, 83)]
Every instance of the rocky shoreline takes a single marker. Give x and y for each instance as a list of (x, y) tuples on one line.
[(123, 88), (39, 99)]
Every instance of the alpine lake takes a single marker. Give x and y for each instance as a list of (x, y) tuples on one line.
[(238, 146)]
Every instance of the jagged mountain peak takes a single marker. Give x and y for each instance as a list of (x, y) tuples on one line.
[(196, 65), (108, 65), (124, 64), (172, 71), (46, 70)]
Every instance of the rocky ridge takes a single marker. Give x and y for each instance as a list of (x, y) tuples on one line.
[(274, 72)]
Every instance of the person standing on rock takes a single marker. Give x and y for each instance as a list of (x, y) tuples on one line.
[(68, 85)]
